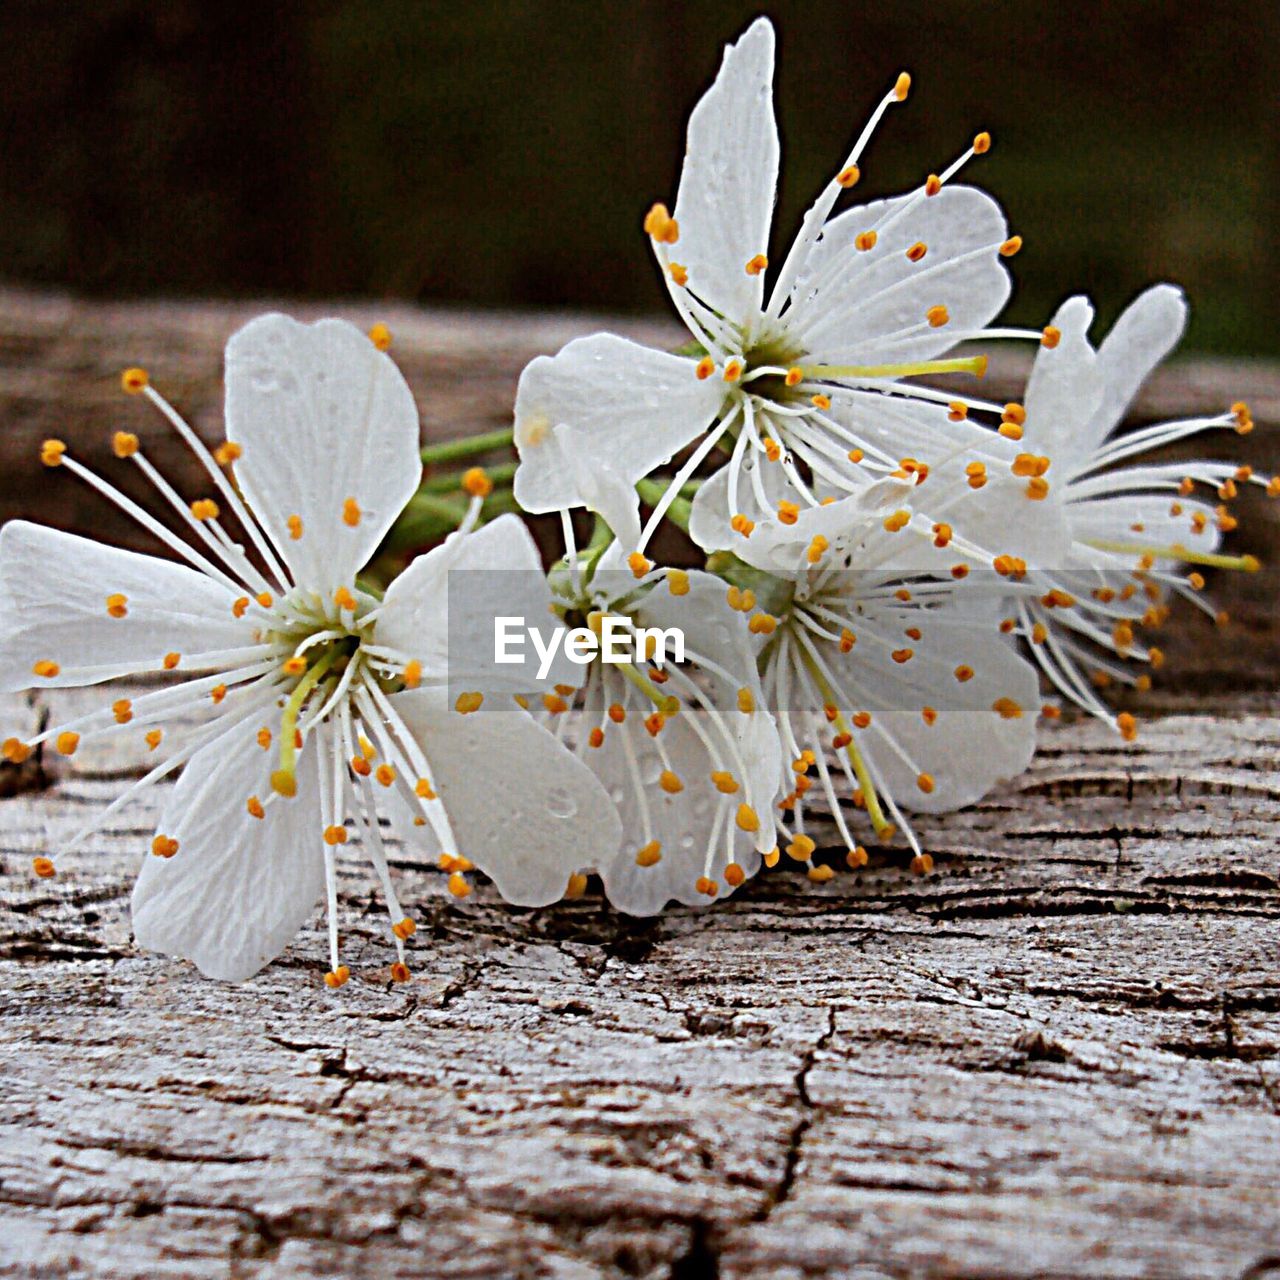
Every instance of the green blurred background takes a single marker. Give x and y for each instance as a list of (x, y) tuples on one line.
[(504, 154)]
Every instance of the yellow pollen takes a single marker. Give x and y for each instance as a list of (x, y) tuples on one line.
[(788, 512), (117, 605), (122, 709), (344, 599), (1007, 709), (1051, 337), (335, 835), (902, 655), (638, 565), (925, 782), (476, 482), (897, 521), (264, 599), (218, 692), (239, 608), (1196, 581), (596, 737), (816, 548), (1155, 657), (746, 701), (725, 783), (964, 673), (1127, 725), (772, 450), (385, 775), (679, 274), (204, 509), (124, 444), (153, 738), (757, 265), (732, 370), (820, 401), (902, 87), (67, 743), (649, 855), (734, 875), (405, 929), (468, 702), (1010, 430), (458, 885), (51, 453), (412, 673), (740, 524), (1011, 246), (855, 455), (617, 713), (848, 177), (937, 316), (45, 669), (164, 846), (284, 783), (350, 513), (847, 640), (801, 848), (982, 144), (254, 806), (747, 819), (134, 380), (423, 790), (932, 185), (576, 886), (795, 375), (957, 411), (771, 858), (380, 336), (762, 624), (917, 251), (856, 857), (338, 977), (865, 241), (704, 368), (1037, 488), (707, 887), (678, 582), (670, 783), (264, 738), (554, 703), (294, 666), (294, 524), (227, 453), (400, 971), (659, 224), (43, 867)]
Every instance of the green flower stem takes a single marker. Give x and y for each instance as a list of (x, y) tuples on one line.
[(468, 446), (451, 481), (651, 493)]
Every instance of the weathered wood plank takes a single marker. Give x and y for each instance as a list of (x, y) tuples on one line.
[(1058, 1056)]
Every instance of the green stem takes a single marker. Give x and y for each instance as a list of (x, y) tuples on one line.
[(651, 493), (468, 446), (451, 481)]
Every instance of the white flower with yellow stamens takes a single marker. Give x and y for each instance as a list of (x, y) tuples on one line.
[(306, 704), (809, 379), (686, 749), (1133, 534), (879, 657)]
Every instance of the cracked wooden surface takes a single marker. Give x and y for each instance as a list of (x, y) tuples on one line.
[(1058, 1056)]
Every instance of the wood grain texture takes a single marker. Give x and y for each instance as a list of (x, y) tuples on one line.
[(1058, 1056)]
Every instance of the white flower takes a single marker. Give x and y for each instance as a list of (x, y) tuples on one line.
[(1131, 535), (809, 377), (877, 654), (686, 750), (305, 705)]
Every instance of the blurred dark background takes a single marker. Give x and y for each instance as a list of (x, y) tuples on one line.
[(504, 154)]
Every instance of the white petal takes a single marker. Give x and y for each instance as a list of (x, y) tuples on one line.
[(239, 888), (1064, 393), (849, 304), (629, 407), (603, 489), (57, 586), (442, 609), (1146, 332), (521, 807), (1113, 520), (730, 178), (323, 416)]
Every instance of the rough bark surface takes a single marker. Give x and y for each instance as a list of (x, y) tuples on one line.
[(1057, 1056)]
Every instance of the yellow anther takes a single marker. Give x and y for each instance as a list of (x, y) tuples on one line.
[(335, 835), (707, 886), (400, 970), (51, 453), (963, 673), (724, 782), (1051, 336), (1011, 246), (746, 701), (679, 274), (122, 709), (816, 548), (957, 411), (284, 783), (1155, 657), (734, 875), (476, 482), (124, 444), (932, 185), (762, 624), (801, 848), (617, 712), (977, 474), (678, 582), (344, 599), (43, 867), (788, 512), (15, 751), (1007, 709), (654, 723), (847, 640), (757, 265), (1010, 430), (264, 738), (638, 565), (1051, 712), (576, 887), (385, 774), (732, 370), (153, 738), (217, 693), (134, 380), (747, 819), (67, 742), (856, 857), (361, 766), (902, 87), (338, 977), (902, 655), (240, 607), (596, 737), (820, 401), (848, 176), (1127, 725), (937, 316), (1014, 412), (670, 782), (921, 864), (1195, 581), (117, 605), (468, 702), (649, 855), (46, 669), (227, 453), (205, 509), (554, 703), (458, 885), (659, 224), (740, 524), (254, 806), (423, 790), (412, 674), (405, 929), (704, 368), (897, 521), (772, 449), (350, 513), (865, 241), (1122, 635), (380, 336), (294, 666), (795, 375), (264, 599), (929, 715), (164, 846), (982, 144), (821, 874)]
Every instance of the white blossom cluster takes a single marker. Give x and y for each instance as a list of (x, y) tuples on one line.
[(898, 581)]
